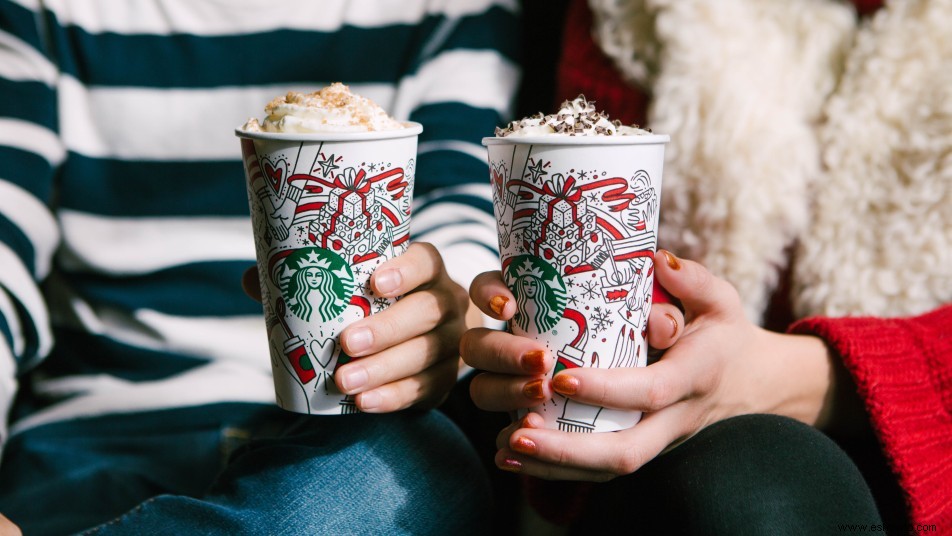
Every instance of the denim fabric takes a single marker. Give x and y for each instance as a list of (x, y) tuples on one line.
[(245, 469)]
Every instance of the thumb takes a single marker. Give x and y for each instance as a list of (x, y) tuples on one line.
[(7, 528), (698, 289)]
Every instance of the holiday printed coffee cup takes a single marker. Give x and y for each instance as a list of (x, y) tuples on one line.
[(577, 220), (327, 209)]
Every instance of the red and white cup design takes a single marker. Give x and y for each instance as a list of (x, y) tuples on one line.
[(326, 209), (577, 219)]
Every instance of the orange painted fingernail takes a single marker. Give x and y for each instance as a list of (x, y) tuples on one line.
[(498, 303), (511, 464), (674, 325), (533, 390), (671, 260), (533, 361), (565, 384), (525, 446)]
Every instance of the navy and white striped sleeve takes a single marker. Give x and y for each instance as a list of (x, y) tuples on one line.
[(463, 86), (30, 152)]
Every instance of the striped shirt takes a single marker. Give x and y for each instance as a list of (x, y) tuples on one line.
[(124, 224)]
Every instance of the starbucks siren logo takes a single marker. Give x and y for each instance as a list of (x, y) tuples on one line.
[(539, 290), (315, 280)]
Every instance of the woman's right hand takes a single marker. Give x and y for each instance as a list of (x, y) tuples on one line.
[(514, 368), (718, 365)]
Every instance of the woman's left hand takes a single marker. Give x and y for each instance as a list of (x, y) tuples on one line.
[(408, 354), (721, 365)]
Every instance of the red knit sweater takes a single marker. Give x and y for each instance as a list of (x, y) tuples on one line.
[(901, 367)]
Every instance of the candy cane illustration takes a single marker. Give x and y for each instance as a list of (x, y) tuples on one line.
[(576, 417)]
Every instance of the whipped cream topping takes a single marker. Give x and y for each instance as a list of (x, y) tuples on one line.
[(577, 117), (332, 109)]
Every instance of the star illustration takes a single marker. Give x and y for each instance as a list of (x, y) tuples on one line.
[(537, 171), (313, 258), (328, 165), (594, 197)]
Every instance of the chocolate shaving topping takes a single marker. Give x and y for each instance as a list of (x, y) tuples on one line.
[(574, 117)]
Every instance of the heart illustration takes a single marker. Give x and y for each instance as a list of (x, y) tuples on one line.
[(498, 178), (323, 351), (275, 173)]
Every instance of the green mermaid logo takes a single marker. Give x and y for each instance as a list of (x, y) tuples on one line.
[(539, 290), (315, 280)]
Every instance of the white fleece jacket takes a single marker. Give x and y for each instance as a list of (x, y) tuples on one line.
[(801, 135)]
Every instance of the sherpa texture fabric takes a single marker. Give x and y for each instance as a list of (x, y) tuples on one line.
[(797, 129)]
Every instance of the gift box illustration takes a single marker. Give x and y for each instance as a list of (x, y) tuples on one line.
[(563, 228), (351, 220)]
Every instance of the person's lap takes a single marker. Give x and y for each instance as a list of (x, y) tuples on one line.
[(754, 474), (242, 468)]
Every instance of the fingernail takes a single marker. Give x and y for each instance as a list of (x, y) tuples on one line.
[(353, 378), (387, 281), (671, 260), (525, 446), (565, 384), (525, 422), (533, 361), (511, 464), (674, 325), (359, 339), (498, 303), (532, 420), (533, 390), (369, 401)]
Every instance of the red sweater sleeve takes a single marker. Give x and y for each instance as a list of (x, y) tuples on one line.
[(903, 370)]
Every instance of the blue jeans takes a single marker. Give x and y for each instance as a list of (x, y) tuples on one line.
[(245, 469)]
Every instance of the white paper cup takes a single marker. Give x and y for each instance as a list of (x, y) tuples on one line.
[(577, 220), (327, 209)]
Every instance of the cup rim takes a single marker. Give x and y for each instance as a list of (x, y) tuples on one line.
[(412, 128), (566, 139)]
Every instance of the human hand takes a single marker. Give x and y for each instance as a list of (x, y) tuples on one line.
[(515, 367), (8, 528), (719, 365), (280, 220), (408, 353)]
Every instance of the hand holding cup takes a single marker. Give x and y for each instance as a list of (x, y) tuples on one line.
[(716, 365), (576, 201), (330, 182)]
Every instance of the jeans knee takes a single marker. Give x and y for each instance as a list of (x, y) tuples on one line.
[(441, 472), (410, 472)]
